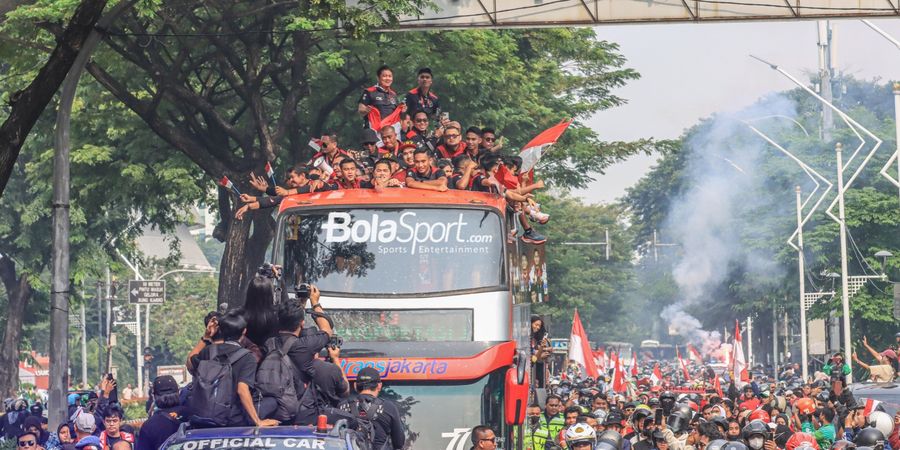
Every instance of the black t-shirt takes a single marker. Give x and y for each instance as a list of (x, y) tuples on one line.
[(423, 142), (478, 186), (384, 100), (303, 351), (242, 371), (428, 103), (387, 422), (332, 387), (162, 424), (415, 175)]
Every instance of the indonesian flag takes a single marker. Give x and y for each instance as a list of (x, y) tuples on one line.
[(270, 173), (717, 386), (619, 384), (600, 359), (316, 144), (506, 178), (656, 377), (695, 355), (687, 375), (536, 147), (740, 364), (227, 184), (580, 348), (376, 122), (871, 404), (634, 365)]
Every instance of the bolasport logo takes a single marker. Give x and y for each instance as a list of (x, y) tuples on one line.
[(413, 235)]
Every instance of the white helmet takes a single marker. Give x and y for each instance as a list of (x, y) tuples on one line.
[(881, 421), (600, 415), (580, 432)]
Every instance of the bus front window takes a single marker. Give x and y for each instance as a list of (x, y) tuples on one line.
[(393, 251)]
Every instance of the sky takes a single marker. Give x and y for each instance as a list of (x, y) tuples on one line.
[(689, 71)]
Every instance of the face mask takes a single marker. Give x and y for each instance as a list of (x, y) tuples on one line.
[(756, 442), (313, 176)]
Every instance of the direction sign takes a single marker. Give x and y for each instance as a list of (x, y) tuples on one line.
[(145, 292)]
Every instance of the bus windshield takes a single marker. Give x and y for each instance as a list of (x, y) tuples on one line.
[(393, 250)]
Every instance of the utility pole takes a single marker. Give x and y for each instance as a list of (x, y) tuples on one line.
[(107, 364), (775, 337), (749, 342), (826, 71), (84, 375), (804, 356), (656, 244), (606, 247), (100, 339), (845, 280)]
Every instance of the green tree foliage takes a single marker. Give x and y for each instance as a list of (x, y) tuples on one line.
[(766, 217)]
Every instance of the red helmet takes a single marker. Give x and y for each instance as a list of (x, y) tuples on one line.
[(759, 414), (805, 406), (801, 440)]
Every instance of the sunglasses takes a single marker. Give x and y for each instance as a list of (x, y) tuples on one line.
[(421, 120), (490, 139), (26, 443), (451, 136), (493, 439)]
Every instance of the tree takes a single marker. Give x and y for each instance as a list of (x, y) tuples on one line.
[(29, 103)]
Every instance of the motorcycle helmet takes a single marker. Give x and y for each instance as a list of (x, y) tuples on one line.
[(734, 445), (805, 406), (678, 421), (801, 439), (609, 440), (667, 401), (843, 445), (869, 437), (716, 444), (881, 421), (760, 414), (580, 433), (754, 433)]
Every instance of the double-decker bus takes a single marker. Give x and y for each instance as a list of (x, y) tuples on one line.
[(430, 288)]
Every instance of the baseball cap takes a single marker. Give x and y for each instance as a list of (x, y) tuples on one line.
[(407, 144), (890, 354), (165, 384), (368, 375), (85, 422)]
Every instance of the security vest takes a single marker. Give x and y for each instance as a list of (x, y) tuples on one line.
[(554, 425), (535, 439)]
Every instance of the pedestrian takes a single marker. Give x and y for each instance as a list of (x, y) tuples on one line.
[(85, 425), (33, 424), (112, 420), (483, 438), (27, 440), (167, 417), (379, 419)]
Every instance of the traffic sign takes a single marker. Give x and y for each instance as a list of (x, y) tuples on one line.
[(145, 292)]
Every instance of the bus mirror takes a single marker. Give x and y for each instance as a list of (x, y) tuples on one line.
[(521, 366), (515, 398)]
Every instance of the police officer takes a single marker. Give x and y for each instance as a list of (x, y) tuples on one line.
[(552, 419), (536, 436)]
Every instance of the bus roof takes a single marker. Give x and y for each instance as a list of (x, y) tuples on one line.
[(393, 196)]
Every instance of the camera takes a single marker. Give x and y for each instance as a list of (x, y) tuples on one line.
[(335, 341), (302, 291), (268, 270)]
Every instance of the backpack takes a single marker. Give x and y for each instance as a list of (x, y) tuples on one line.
[(275, 378), (366, 411), (213, 394)]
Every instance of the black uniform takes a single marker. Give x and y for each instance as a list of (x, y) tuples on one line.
[(387, 423)]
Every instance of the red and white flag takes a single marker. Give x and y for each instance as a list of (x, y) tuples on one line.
[(536, 147), (717, 386), (656, 377), (270, 173), (687, 375), (315, 144), (695, 355), (740, 364), (227, 184), (634, 366), (580, 348), (619, 384), (871, 404), (376, 122), (600, 360)]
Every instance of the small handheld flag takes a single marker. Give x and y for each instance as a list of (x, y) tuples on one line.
[(227, 184), (270, 173)]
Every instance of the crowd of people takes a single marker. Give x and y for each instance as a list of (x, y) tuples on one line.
[(409, 143), (258, 365)]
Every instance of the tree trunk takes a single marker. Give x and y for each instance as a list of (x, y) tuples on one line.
[(244, 253), (18, 291), (28, 104)]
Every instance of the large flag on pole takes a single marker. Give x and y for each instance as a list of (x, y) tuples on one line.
[(580, 348), (695, 355), (600, 360), (532, 151), (740, 364), (656, 377), (619, 376)]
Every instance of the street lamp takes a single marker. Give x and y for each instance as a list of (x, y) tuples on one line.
[(883, 255)]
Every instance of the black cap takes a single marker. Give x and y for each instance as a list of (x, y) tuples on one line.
[(164, 384), (369, 136), (368, 375), (424, 70)]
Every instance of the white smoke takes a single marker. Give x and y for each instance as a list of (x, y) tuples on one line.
[(724, 171)]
